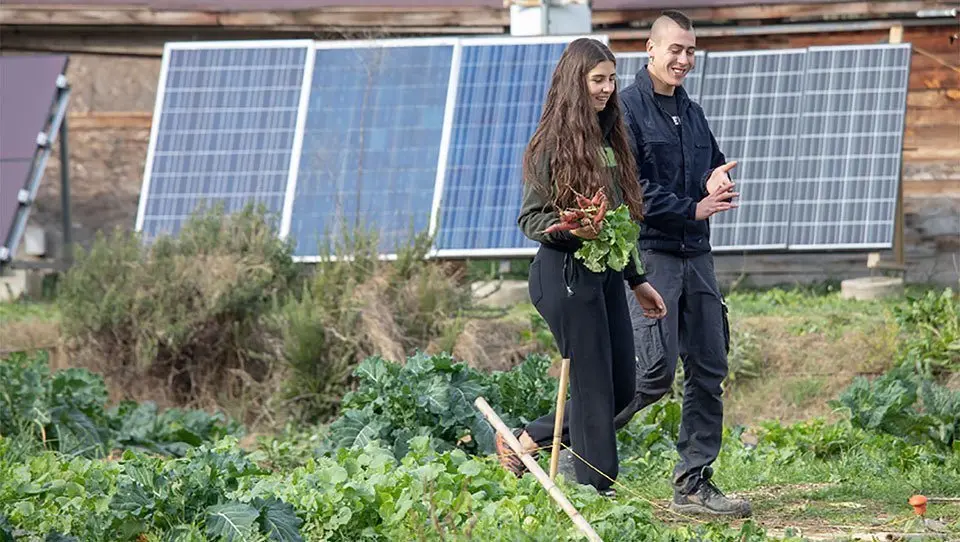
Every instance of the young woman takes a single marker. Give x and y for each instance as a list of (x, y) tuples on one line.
[(581, 146)]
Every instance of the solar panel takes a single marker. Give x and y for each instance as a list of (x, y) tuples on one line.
[(371, 143), (500, 92), (33, 103), (429, 133), (851, 133), (752, 102), (628, 64), (223, 131)]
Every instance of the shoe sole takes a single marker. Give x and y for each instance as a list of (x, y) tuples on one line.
[(704, 511)]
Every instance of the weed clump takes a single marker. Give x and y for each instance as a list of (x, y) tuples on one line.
[(355, 305), (181, 319)]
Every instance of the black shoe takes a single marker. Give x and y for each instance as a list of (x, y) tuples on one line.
[(610, 493), (706, 498)]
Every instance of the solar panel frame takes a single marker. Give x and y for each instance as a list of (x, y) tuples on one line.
[(896, 154), (454, 43), (29, 155), (774, 186), (161, 100), (530, 247)]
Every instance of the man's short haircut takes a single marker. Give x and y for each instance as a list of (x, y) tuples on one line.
[(678, 17)]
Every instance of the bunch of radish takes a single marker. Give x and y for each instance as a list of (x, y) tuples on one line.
[(589, 213)]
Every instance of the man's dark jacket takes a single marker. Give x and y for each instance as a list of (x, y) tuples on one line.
[(673, 169)]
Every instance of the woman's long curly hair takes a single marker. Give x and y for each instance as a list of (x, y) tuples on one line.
[(570, 131)]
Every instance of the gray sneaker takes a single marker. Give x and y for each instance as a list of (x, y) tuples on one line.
[(565, 466), (706, 498)]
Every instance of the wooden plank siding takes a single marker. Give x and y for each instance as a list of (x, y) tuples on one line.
[(400, 14)]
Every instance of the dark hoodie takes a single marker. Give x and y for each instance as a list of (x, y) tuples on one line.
[(538, 213)]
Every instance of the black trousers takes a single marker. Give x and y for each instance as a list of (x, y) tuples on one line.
[(695, 330), (590, 320)]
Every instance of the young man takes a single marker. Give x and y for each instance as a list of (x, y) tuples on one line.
[(685, 181)]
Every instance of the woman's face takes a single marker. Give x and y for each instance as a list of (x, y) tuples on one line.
[(601, 82)]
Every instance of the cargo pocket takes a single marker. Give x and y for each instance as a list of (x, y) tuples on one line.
[(648, 343)]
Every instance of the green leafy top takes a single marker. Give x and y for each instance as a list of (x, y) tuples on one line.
[(614, 245)]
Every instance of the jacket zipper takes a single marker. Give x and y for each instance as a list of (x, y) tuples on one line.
[(683, 229)]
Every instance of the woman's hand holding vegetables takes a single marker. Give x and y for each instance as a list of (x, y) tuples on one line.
[(584, 221)]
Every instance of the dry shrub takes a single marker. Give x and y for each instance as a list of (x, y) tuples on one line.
[(181, 321), (493, 344), (354, 306)]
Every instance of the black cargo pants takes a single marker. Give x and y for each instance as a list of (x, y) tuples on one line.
[(696, 330), (590, 321)]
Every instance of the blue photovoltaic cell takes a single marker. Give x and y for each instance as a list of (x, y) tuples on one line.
[(225, 134), (628, 64), (851, 138), (500, 96), (752, 102), (371, 143)]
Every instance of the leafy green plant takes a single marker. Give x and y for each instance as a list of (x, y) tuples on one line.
[(931, 327), (365, 493), (525, 392), (652, 433), (432, 396), (428, 396), (615, 245), (197, 491), (906, 405), (66, 411)]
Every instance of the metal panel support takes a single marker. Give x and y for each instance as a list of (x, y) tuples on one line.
[(896, 36), (67, 252)]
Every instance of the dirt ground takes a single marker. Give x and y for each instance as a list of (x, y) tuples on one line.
[(782, 511)]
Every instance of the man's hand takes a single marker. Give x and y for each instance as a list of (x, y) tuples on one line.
[(650, 301), (720, 177), (717, 202)]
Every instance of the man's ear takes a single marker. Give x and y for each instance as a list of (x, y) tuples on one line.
[(650, 45)]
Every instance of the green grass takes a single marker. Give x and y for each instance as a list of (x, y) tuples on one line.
[(832, 475), (20, 311)]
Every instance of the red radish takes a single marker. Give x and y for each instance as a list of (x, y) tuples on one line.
[(598, 197), (601, 212), (572, 214), (589, 213)]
